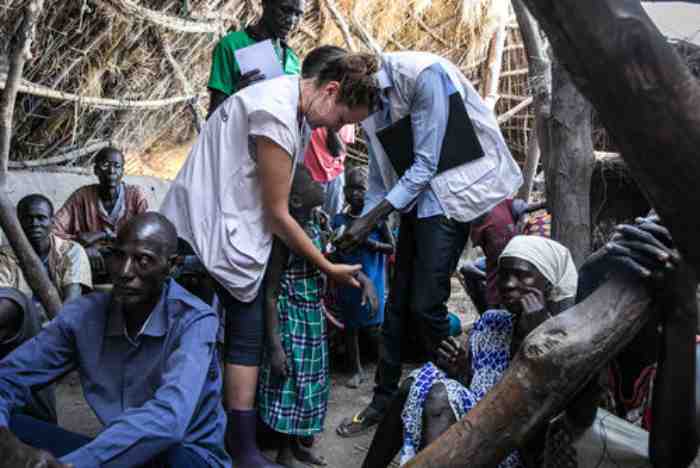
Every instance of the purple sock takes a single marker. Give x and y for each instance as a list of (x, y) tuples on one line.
[(240, 441)]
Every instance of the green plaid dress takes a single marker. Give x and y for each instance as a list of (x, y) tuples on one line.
[(297, 405)]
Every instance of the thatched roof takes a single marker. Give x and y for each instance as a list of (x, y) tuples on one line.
[(124, 71)]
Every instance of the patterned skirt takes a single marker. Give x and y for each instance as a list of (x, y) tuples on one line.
[(297, 404), (489, 343)]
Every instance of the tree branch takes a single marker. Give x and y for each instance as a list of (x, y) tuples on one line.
[(341, 23), (28, 260), (644, 94), (131, 9), (100, 103)]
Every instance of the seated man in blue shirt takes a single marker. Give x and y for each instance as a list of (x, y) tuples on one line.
[(147, 363)]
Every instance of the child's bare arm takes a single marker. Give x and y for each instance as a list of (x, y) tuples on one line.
[(275, 268), (369, 293)]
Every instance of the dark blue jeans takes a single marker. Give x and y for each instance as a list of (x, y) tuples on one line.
[(59, 442), (427, 254)]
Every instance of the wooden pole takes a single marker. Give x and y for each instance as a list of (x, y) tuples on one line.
[(97, 102), (540, 84), (570, 166), (130, 9), (532, 161), (510, 113), (28, 260), (197, 113), (492, 77), (60, 159)]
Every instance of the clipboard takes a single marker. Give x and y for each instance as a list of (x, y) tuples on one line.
[(262, 56), (459, 146)]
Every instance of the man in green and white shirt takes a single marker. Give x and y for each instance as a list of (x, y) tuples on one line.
[(279, 18)]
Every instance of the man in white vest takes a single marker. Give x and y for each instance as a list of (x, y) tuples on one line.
[(437, 201)]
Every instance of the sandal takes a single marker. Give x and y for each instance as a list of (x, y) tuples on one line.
[(360, 423)]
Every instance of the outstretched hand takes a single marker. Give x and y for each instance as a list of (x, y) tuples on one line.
[(452, 357), (16, 454), (344, 274), (356, 234)]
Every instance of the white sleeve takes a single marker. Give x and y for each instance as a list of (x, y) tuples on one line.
[(263, 123)]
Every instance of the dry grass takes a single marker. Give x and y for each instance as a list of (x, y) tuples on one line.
[(88, 48)]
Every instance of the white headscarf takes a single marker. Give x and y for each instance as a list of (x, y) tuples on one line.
[(551, 259)]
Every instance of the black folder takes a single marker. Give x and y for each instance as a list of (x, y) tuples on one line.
[(459, 146)]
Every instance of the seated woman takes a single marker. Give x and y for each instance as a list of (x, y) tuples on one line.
[(537, 278)]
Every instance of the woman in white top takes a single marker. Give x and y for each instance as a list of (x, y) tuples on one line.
[(231, 196)]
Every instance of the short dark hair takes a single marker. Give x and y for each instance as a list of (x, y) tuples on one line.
[(24, 203)]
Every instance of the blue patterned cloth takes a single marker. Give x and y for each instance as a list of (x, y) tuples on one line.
[(489, 343)]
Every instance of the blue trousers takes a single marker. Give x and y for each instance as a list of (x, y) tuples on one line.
[(59, 442)]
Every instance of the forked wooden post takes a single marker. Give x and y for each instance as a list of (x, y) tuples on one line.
[(29, 262)]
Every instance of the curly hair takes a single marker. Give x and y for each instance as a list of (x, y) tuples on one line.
[(354, 71)]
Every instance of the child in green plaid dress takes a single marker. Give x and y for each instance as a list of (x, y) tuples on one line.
[(294, 381)]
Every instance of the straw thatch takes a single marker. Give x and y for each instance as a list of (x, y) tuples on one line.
[(133, 72)]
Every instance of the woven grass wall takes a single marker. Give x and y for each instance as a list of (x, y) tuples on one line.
[(131, 72)]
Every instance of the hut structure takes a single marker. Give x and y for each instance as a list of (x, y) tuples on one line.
[(133, 72)]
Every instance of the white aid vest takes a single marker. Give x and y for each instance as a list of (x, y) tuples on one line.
[(215, 201), (471, 189)]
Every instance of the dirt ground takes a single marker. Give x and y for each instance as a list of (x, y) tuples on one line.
[(75, 415)]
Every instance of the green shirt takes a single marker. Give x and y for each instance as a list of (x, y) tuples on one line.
[(225, 73)]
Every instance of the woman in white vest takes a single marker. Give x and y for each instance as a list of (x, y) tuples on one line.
[(436, 203), (231, 196)]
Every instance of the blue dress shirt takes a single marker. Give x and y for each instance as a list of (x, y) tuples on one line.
[(429, 116), (160, 389)]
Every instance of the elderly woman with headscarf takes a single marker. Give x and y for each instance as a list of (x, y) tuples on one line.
[(536, 278)]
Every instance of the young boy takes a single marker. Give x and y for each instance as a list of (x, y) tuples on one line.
[(372, 255), (294, 378)]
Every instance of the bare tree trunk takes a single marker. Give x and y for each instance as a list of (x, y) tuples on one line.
[(570, 166), (645, 96), (540, 83), (554, 361), (29, 262)]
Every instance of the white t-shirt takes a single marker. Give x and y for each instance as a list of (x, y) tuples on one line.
[(215, 201)]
